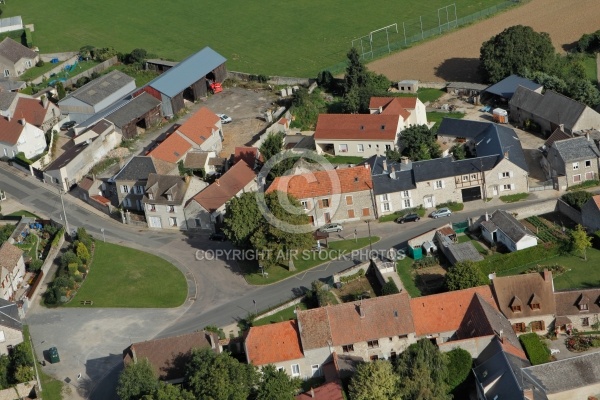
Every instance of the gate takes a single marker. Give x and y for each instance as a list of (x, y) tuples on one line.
[(460, 227), (547, 185)]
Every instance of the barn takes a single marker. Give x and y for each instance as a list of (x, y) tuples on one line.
[(187, 80), (140, 113)]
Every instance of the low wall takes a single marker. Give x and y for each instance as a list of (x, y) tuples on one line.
[(273, 80), (87, 73), (290, 303), (351, 271), (569, 211), (433, 85), (534, 209)]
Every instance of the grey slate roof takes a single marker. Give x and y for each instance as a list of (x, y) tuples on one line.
[(508, 86), (161, 185), (15, 51), (6, 100), (160, 61), (568, 374), (550, 106), (383, 182), (8, 85), (133, 110), (139, 167), (9, 315), (100, 88), (497, 322), (69, 154), (577, 148), (462, 128), (181, 76), (509, 225), (558, 134)]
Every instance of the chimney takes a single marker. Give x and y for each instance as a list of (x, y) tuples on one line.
[(367, 166), (384, 165), (528, 394), (487, 216), (587, 136), (45, 101), (562, 127), (506, 155), (393, 173), (312, 393), (361, 309), (217, 182), (8, 117), (404, 160), (547, 275), (22, 121)]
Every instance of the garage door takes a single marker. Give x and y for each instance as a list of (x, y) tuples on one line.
[(155, 222), (471, 194)]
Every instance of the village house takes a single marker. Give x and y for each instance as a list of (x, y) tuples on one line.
[(38, 112), (570, 161), (12, 270), (15, 58), (164, 201), (502, 228), (19, 136), (338, 195), (577, 309), (527, 300), (205, 162)]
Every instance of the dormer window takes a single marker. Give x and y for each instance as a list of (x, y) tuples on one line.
[(150, 196), (516, 308), (582, 302), (169, 197), (535, 306), (583, 307), (535, 302), (516, 304)]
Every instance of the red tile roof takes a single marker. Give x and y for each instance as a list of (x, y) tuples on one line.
[(357, 127), (328, 391), (445, 311), (226, 187), (31, 110), (100, 199), (246, 153), (394, 105), (10, 131), (273, 343), (323, 183), (172, 149), (200, 125), (596, 199), (512, 349)]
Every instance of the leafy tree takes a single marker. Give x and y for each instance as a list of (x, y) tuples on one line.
[(219, 376), (374, 381), (20, 360), (24, 373), (272, 145), (137, 56), (516, 50), (550, 82), (458, 151), (577, 198), (60, 90), (464, 275), (104, 53), (360, 84), (35, 265), (82, 253), (69, 257), (242, 219), (418, 142), (137, 380), (423, 372), (356, 72), (580, 241), (275, 384), (169, 392), (5, 232), (4, 375), (389, 287), (459, 366), (87, 52), (589, 43), (584, 91), (326, 80), (306, 108)]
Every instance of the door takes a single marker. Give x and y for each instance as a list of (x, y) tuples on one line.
[(154, 222), (327, 217), (428, 202), (495, 190)]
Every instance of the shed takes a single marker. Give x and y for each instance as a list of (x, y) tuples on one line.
[(159, 65), (142, 112), (11, 24), (503, 91), (188, 80), (408, 86)]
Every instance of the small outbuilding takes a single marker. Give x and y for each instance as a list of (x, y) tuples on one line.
[(408, 86), (136, 116)]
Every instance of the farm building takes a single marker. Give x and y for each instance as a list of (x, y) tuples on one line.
[(96, 96), (408, 86), (139, 114), (466, 89), (158, 65), (187, 80), (11, 24), (503, 91)]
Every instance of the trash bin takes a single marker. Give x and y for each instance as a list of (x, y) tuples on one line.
[(53, 355)]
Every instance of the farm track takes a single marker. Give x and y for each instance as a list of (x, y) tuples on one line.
[(455, 56)]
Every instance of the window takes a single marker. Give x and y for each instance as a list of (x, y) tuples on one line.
[(349, 200), (360, 148), (393, 355), (304, 204), (385, 206), (348, 348), (124, 189), (406, 193), (473, 177), (366, 212), (171, 209), (169, 197), (282, 369), (535, 306), (127, 203), (350, 213), (588, 163), (384, 197), (150, 196), (134, 190), (507, 187), (325, 203), (388, 147), (28, 63), (371, 344), (519, 327), (6, 73), (537, 326), (311, 219), (407, 203), (315, 369), (151, 207), (439, 184), (583, 307), (577, 178), (374, 358), (589, 175), (505, 175), (516, 308), (343, 148), (575, 165), (465, 178), (585, 321), (172, 221), (295, 370), (198, 223)]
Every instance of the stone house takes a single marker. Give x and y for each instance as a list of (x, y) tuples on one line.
[(207, 208), (206, 161), (339, 195), (278, 344), (128, 185), (501, 227), (552, 110), (571, 161), (527, 300), (163, 201), (11, 327), (577, 309), (12, 270), (169, 356), (590, 213), (19, 136), (15, 58)]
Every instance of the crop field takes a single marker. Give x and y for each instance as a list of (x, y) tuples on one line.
[(290, 38)]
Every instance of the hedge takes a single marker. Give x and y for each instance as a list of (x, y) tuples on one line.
[(350, 278), (390, 287), (57, 237), (499, 263), (536, 350)]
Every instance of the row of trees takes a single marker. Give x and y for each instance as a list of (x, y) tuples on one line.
[(521, 50), (209, 376), (420, 372)]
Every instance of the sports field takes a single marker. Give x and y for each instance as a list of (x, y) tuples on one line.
[(289, 38)]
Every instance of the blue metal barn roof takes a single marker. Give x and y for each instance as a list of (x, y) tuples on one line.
[(177, 79)]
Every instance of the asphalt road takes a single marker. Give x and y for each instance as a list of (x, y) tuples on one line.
[(91, 340)]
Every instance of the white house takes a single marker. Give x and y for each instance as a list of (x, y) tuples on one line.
[(12, 269), (20, 137), (503, 228)]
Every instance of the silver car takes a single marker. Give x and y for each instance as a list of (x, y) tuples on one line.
[(331, 228), (442, 212)]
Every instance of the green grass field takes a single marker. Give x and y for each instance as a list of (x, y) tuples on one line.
[(267, 37), (124, 277)]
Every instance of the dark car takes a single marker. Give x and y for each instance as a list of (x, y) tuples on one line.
[(67, 125), (408, 218), (218, 237)]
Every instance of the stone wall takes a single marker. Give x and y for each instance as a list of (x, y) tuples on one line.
[(273, 80), (351, 271), (535, 209), (285, 305), (569, 211), (55, 70), (87, 73)]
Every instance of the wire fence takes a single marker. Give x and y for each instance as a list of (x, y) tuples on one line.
[(382, 43)]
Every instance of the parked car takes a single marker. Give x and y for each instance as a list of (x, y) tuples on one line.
[(67, 125), (442, 212), (331, 228), (408, 218), (224, 118), (218, 237), (53, 355)]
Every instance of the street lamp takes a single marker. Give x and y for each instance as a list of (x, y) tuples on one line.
[(370, 243), (103, 237)]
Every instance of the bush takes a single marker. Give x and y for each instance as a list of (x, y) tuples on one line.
[(40, 63), (425, 262), (81, 269), (390, 287), (350, 278), (459, 366), (35, 265), (69, 257), (536, 350), (512, 198), (57, 237), (584, 185), (576, 199), (578, 343)]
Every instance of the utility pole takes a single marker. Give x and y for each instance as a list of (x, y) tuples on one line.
[(67, 230)]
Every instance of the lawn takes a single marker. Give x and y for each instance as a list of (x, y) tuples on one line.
[(513, 198), (124, 277), (34, 72), (590, 66), (425, 94), (344, 159), (351, 291), (255, 37), (406, 273), (23, 213), (306, 260), (284, 315)]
